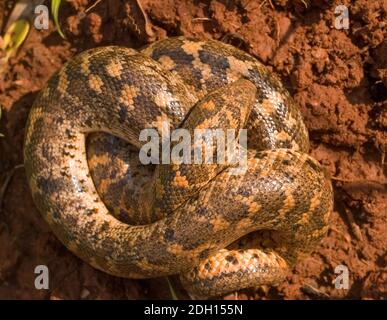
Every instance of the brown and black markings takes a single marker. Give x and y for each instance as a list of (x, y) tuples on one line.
[(120, 91)]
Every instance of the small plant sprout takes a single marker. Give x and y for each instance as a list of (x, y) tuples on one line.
[(55, 5), (14, 37)]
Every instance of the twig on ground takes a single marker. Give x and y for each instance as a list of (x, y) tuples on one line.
[(171, 289), (353, 225), (310, 290), (201, 19), (264, 1), (92, 6)]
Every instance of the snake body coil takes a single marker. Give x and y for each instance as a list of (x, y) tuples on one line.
[(189, 214)]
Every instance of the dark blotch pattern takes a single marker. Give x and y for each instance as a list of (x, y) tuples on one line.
[(282, 188)]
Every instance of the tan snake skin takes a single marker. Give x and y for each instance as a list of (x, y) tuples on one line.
[(174, 219)]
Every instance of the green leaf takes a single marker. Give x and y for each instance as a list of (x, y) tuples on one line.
[(15, 36), (55, 5)]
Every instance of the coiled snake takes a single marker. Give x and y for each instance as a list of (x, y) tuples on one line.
[(177, 218)]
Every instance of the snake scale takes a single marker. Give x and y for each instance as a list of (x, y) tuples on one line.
[(141, 221)]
